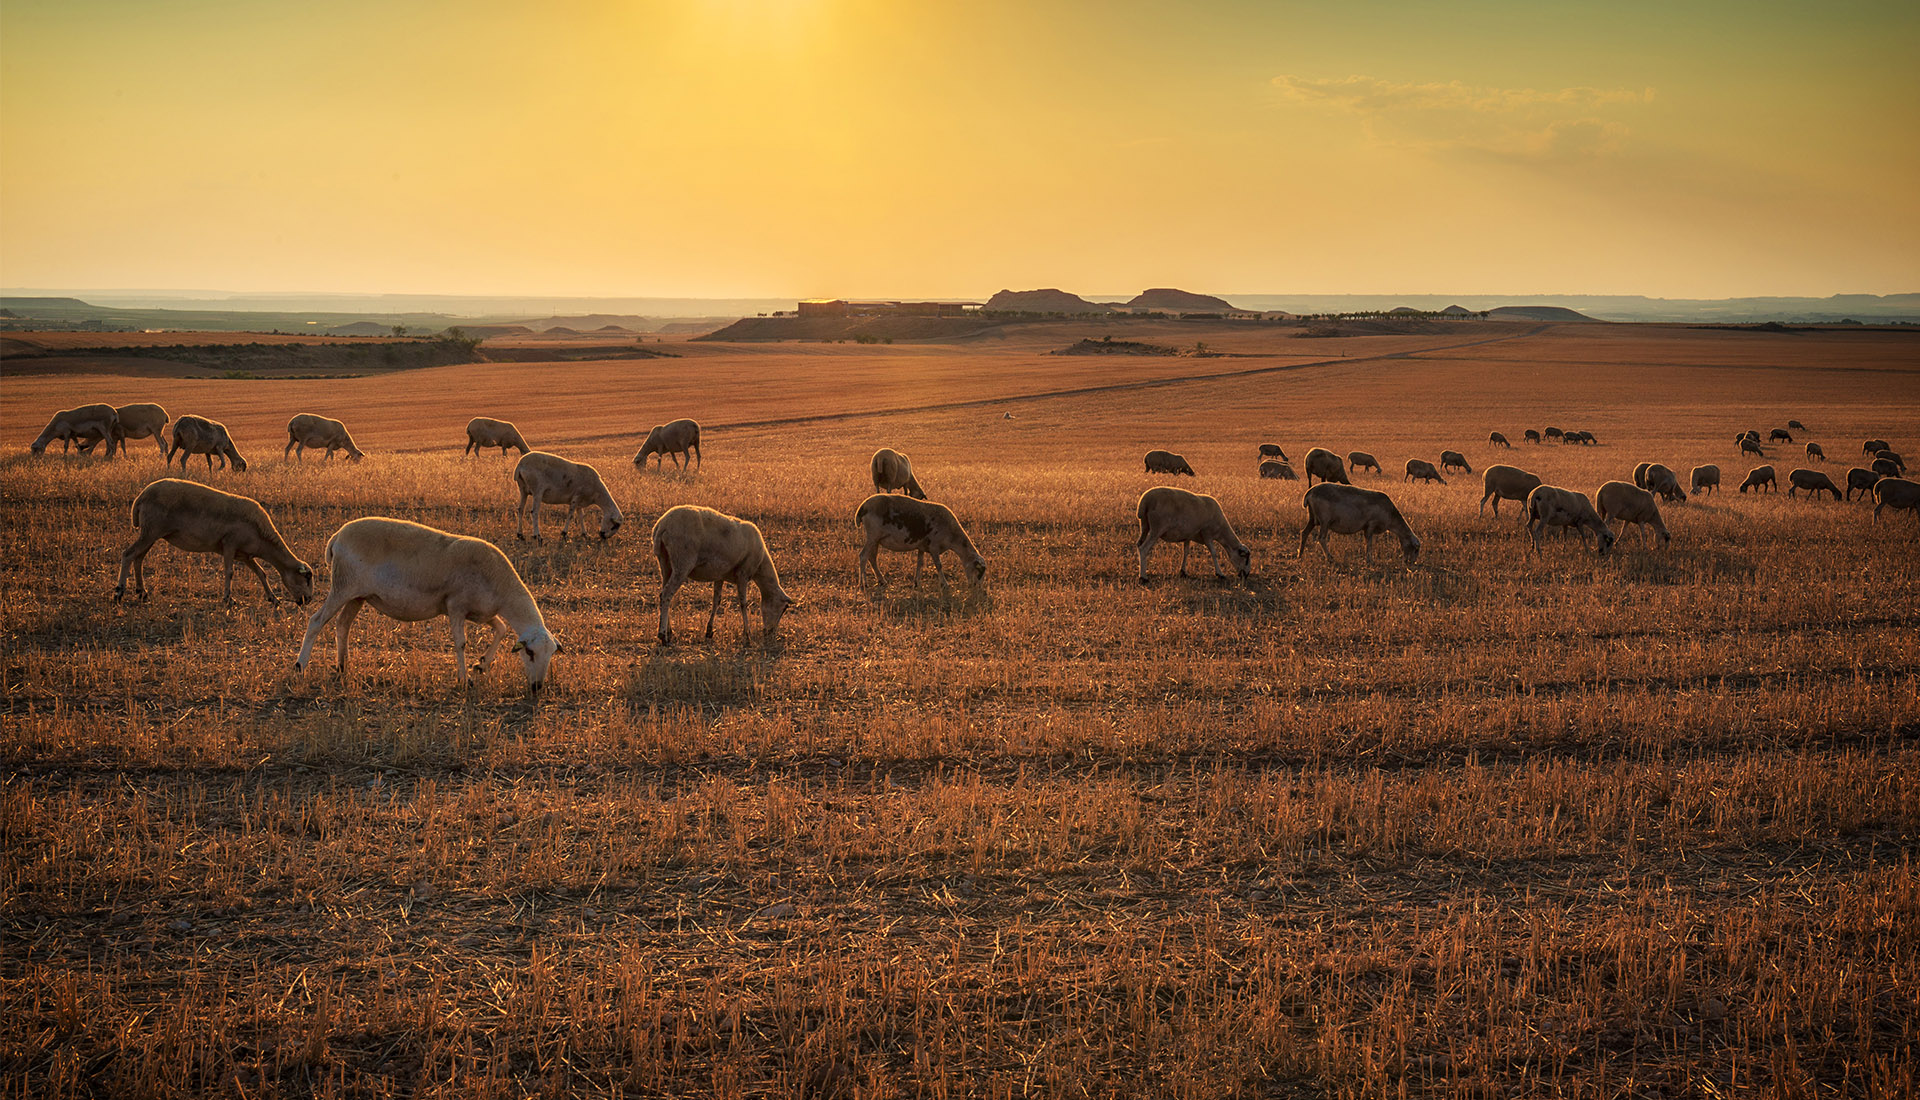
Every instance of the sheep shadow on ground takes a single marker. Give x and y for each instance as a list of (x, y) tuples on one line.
[(716, 675), (1252, 596), (908, 603)]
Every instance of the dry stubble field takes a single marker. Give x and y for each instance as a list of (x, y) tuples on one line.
[(1491, 826)]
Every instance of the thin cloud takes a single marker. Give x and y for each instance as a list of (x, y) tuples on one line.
[(1371, 94)]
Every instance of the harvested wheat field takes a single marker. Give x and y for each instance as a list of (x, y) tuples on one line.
[(1499, 823)]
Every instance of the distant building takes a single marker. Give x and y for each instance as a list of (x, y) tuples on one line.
[(823, 307), (841, 307)]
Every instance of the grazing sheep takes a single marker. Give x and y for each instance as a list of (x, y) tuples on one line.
[(1419, 469), (1349, 510), (311, 430), (1753, 434), (1814, 482), (1589, 438), (1454, 459), (1896, 493), (140, 421), (1760, 476), (486, 432), (1893, 457), (892, 470), (1630, 505), (1705, 478), (546, 478), (1780, 435), (1873, 445), (1361, 460), (1573, 437), (196, 435), (411, 572), (679, 438), (1887, 467), (1554, 433), (700, 544), (88, 422), (1272, 450), (1664, 482), (1862, 481), (1552, 506), (1751, 446), (1506, 483), (1166, 462), (907, 526), (1499, 440), (1530, 436), (1640, 475), (1814, 452), (1176, 515), (1326, 466), (1279, 471), (200, 519), (1796, 425)]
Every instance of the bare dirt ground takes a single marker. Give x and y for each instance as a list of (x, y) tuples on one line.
[(1501, 823)]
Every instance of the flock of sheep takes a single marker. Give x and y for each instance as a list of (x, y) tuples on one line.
[(411, 572)]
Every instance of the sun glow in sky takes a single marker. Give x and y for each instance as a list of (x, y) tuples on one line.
[(803, 147)]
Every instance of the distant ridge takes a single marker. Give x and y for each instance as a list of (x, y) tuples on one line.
[(1049, 300), (1174, 300), (1538, 313)]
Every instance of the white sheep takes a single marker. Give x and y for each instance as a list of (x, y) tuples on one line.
[(1419, 469), (1896, 493), (1168, 514), (1326, 466), (1705, 478), (1349, 510), (88, 423), (1361, 460), (143, 420), (196, 435), (905, 525), (892, 470), (1632, 505), (700, 544), (678, 438), (1551, 506), (1506, 483), (1454, 459), (1166, 462), (200, 519), (316, 431), (484, 431), (544, 478)]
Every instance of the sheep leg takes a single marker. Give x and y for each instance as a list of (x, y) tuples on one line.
[(1185, 549), (261, 573), (134, 557), (1304, 532), (520, 517), (1369, 547), (288, 449), (939, 571), (698, 455), (1213, 555), (537, 535), (870, 559), (1324, 548), (499, 630), (341, 628), (740, 591), (457, 626), (714, 611), (919, 566), (1148, 539)]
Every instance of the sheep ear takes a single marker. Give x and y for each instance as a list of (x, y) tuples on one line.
[(519, 645)]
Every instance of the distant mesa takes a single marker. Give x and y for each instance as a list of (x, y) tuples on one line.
[(1050, 300), (1457, 311), (1402, 310), (612, 328), (560, 330), (1170, 300), (1538, 313)]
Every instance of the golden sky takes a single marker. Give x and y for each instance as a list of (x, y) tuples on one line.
[(859, 147)]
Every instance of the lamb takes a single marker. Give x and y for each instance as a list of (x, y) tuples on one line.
[(1630, 505), (312, 430), (1796, 425), (1176, 515), (1887, 467), (1506, 483), (1663, 481), (1705, 478), (1893, 457), (1278, 471), (1758, 477), (200, 519), (140, 421), (88, 422), (906, 525), (1551, 506), (1780, 435), (1862, 482), (196, 435), (1751, 446), (1499, 440), (1348, 510), (1873, 445), (1530, 436), (411, 572), (893, 470), (695, 543), (1896, 493), (1166, 462), (1326, 466), (1814, 452), (547, 478), (1272, 450), (1419, 469), (1360, 460), (1813, 481), (486, 432), (679, 438)]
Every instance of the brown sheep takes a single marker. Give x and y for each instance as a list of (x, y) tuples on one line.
[(1450, 460), (1814, 452), (1326, 466), (89, 423), (1664, 482), (1506, 483), (1862, 481), (678, 438), (411, 573), (1176, 515), (1554, 433), (1893, 457), (1499, 440), (544, 478), (1348, 510), (892, 470), (1873, 445), (484, 431), (1814, 482), (1551, 506), (700, 544), (196, 435), (1760, 477), (1361, 460), (1272, 450), (1796, 425), (1896, 493), (200, 519), (1630, 505), (1705, 478), (1780, 435), (910, 526), (1166, 462), (1530, 436), (312, 430), (1278, 471), (1886, 467), (140, 421), (1751, 446), (1419, 469)]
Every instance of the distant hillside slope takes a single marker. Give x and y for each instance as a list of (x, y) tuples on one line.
[(1538, 313), (1173, 300), (1049, 300), (867, 329)]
